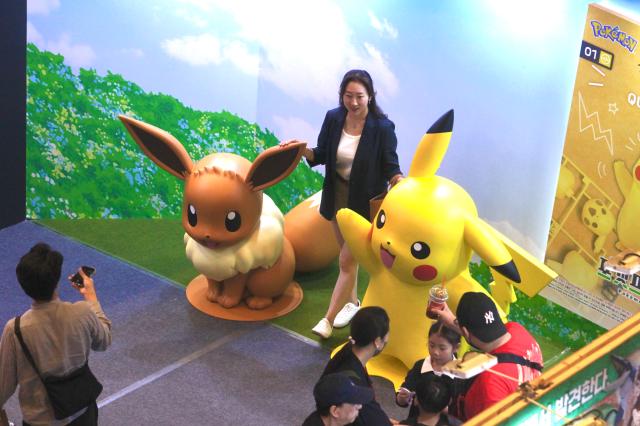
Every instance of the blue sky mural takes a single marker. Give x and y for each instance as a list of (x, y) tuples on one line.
[(506, 67)]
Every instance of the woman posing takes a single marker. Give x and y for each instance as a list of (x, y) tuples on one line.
[(357, 144)]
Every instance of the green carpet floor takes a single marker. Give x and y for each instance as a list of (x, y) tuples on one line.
[(156, 245)]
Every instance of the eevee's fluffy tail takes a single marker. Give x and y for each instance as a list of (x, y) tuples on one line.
[(312, 236)]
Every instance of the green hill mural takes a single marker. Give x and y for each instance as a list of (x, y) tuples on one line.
[(82, 164)]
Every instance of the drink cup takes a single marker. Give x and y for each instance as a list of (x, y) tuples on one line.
[(437, 298)]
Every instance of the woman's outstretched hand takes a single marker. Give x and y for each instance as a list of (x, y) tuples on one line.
[(307, 153), (288, 142)]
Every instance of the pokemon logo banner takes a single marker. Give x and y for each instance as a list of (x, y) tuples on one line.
[(614, 34), (597, 202), (424, 234)]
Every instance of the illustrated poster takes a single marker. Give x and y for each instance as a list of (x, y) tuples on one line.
[(596, 213)]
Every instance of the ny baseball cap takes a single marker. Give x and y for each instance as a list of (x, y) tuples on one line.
[(337, 388), (478, 313)]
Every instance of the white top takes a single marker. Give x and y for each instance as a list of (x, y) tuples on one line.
[(427, 366), (346, 151)]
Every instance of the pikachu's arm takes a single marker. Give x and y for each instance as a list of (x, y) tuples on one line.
[(478, 235), (535, 275), (623, 177), (356, 231)]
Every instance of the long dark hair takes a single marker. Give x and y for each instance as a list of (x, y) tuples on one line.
[(362, 77)]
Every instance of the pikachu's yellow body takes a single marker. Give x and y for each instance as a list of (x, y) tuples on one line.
[(424, 234)]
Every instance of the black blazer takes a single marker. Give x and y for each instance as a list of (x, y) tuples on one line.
[(374, 163)]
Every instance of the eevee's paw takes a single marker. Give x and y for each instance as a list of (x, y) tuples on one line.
[(212, 295), (255, 302), (213, 291), (228, 301)]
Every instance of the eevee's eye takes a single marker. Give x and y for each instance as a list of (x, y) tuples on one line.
[(232, 221), (192, 216), (420, 250), (381, 219)]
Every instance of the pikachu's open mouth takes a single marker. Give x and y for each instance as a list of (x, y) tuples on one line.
[(386, 257)]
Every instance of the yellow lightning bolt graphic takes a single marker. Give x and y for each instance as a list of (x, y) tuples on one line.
[(584, 116)]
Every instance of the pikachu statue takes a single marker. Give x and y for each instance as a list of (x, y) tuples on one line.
[(424, 234)]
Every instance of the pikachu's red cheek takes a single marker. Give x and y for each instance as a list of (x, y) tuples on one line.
[(425, 272), (638, 173)]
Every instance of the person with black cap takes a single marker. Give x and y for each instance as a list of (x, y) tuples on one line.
[(338, 401), (519, 355)]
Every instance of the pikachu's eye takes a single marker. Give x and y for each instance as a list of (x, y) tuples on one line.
[(232, 222), (192, 216), (420, 250), (381, 219)]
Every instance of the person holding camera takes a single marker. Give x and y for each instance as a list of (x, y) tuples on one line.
[(45, 351)]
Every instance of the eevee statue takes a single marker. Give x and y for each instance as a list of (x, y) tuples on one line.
[(234, 233)]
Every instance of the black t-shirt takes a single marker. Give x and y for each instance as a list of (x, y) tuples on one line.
[(413, 421)]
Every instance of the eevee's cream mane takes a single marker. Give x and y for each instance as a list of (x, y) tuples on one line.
[(260, 249)]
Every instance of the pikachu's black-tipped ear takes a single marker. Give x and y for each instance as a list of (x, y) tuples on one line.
[(160, 146), (432, 147), (443, 124)]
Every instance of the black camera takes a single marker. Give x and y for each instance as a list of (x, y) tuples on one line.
[(77, 278)]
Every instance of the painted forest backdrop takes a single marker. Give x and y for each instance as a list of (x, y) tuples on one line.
[(82, 163)]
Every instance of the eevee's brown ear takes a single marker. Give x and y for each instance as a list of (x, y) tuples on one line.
[(273, 165), (160, 146)]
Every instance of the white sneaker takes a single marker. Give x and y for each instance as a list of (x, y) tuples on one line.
[(346, 313), (323, 328)]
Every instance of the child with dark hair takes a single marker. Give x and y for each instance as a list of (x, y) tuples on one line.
[(433, 395), (443, 345), (369, 335)]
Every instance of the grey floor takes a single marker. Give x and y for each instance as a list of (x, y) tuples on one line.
[(170, 364)]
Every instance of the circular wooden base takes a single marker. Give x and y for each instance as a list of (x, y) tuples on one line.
[(197, 296)]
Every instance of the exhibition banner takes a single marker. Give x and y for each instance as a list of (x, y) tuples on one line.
[(608, 389), (597, 201)]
